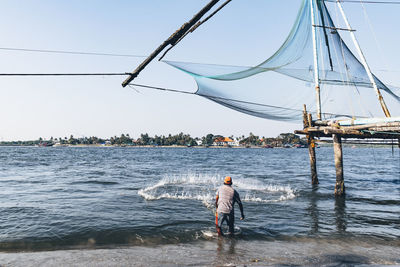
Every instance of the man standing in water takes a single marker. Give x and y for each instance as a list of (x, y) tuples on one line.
[(224, 202)]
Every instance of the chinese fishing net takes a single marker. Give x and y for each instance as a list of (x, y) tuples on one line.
[(346, 90)]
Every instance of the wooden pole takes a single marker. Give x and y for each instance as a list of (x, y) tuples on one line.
[(364, 63), (313, 160), (337, 148), (316, 67), (305, 117), (307, 122)]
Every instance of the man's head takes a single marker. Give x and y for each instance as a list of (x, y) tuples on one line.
[(228, 180)]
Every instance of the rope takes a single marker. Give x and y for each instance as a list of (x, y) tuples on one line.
[(69, 52), (64, 74), (129, 55), (223, 98), (160, 88), (371, 28), (210, 96)]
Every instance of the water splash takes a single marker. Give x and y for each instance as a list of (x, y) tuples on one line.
[(202, 187)]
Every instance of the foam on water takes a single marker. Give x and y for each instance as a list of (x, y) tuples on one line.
[(202, 187)]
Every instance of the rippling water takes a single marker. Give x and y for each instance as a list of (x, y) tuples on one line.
[(54, 198)]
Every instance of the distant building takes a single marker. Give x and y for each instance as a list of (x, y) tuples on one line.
[(224, 141), (199, 142)]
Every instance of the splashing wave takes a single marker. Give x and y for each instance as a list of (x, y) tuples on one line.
[(202, 187)]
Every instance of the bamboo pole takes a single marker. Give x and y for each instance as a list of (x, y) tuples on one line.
[(337, 148), (316, 67), (170, 41), (364, 62), (341, 131), (305, 117)]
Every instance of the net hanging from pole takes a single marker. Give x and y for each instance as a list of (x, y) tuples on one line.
[(346, 90)]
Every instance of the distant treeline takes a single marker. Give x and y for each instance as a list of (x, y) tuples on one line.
[(180, 139)]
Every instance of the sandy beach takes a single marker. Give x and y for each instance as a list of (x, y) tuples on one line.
[(223, 252)]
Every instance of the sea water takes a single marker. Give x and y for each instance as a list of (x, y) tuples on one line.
[(156, 206)]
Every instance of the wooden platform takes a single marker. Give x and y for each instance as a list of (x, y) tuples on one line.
[(379, 129), (389, 130)]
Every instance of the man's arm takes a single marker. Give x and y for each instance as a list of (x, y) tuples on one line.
[(237, 199), (216, 200)]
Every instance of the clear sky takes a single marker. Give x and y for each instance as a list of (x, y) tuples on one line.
[(243, 33)]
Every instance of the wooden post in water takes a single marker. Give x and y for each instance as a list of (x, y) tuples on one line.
[(337, 148), (307, 122), (313, 161)]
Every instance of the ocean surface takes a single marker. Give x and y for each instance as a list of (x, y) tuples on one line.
[(152, 200)]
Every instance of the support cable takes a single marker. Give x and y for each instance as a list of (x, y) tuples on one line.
[(223, 98), (66, 74), (69, 52), (209, 96), (364, 63), (130, 55)]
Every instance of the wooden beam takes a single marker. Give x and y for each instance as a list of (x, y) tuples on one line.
[(395, 125), (170, 41), (337, 148), (320, 133), (341, 131)]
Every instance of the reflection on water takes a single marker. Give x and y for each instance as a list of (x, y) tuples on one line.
[(313, 210), (226, 245), (226, 250), (340, 214)]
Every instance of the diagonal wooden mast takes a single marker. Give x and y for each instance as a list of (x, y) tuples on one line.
[(364, 62), (176, 37)]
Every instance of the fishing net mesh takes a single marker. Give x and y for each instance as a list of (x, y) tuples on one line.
[(346, 90)]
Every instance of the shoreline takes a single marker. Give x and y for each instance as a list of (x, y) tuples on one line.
[(195, 147), (145, 146), (218, 252)]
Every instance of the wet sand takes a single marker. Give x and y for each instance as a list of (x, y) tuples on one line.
[(223, 252)]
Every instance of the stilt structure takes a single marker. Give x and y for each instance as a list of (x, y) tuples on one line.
[(385, 129)]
